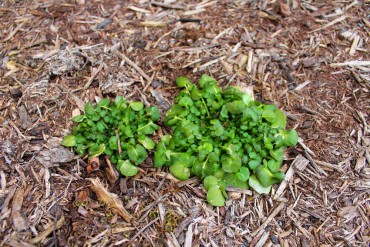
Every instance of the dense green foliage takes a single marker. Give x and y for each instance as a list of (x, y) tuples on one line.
[(225, 138), (221, 136), (115, 128)]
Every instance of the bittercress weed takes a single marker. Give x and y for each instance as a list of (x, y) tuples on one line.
[(116, 128), (221, 136), (225, 138)]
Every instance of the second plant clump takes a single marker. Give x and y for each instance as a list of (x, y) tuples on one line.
[(225, 138), (115, 128), (221, 136)]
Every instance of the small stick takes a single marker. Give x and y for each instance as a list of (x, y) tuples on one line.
[(87, 85), (167, 6), (14, 31), (143, 229), (132, 64), (119, 144), (312, 161), (144, 11), (351, 63), (300, 141), (267, 221), (339, 19)]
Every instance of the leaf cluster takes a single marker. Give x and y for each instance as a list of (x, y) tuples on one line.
[(116, 128), (224, 137)]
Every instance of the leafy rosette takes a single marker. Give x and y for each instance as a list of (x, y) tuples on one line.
[(116, 128), (224, 137)]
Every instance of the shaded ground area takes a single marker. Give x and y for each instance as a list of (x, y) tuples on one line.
[(310, 58)]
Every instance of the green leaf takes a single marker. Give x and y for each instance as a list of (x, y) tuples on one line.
[(80, 149), (210, 181), (231, 164), (290, 137), (253, 163), (247, 98), (179, 171), (269, 113), (277, 154), (136, 106), (126, 168), (153, 112), (79, 118), (185, 159), (217, 127), (233, 93), (89, 109), (100, 126), (128, 131), (185, 101), (182, 81), (206, 80), (219, 173), (166, 139), (215, 196), (196, 94), (235, 107), (96, 150), (108, 151), (137, 154), (95, 117), (243, 174), (207, 146), (223, 112), (69, 141), (104, 103), (256, 185), (273, 165), (113, 143), (148, 128), (266, 177), (147, 143), (280, 120), (120, 102), (80, 139), (160, 157), (231, 180), (172, 115), (212, 91)]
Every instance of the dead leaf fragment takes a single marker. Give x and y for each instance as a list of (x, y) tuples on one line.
[(347, 212), (285, 9), (110, 199), (11, 65), (55, 155), (20, 223), (94, 165), (82, 196), (47, 232), (76, 112), (24, 118), (235, 195)]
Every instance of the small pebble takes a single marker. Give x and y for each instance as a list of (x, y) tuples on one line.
[(274, 239), (15, 92), (156, 83), (235, 195)]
